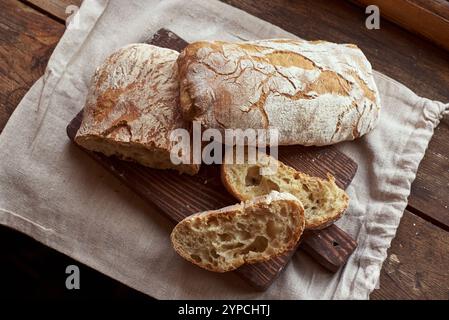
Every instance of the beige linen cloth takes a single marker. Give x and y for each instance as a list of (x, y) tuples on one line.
[(55, 193)]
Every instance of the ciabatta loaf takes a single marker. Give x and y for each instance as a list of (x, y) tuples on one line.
[(313, 92), (324, 202), (249, 232), (133, 106)]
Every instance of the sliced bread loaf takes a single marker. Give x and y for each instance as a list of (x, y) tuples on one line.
[(324, 202), (253, 231), (133, 106)]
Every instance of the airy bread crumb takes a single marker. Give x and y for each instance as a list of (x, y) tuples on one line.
[(253, 231), (324, 202)]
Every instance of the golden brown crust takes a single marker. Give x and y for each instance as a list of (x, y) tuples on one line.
[(133, 106), (313, 222), (311, 97), (229, 186)]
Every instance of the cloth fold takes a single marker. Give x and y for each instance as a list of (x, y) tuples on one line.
[(53, 192)]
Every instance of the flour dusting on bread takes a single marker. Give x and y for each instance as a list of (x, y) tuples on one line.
[(133, 106), (314, 92)]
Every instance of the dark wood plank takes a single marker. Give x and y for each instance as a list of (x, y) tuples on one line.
[(56, 8), (417, 266), (27, 40), (430, 191), (167, 39), (329, 247), (427, 18), (438, 7)]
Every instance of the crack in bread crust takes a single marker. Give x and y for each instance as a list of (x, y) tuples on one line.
[(303, 88), (133, 106)]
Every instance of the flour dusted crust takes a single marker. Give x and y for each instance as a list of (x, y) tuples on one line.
[(314, 92), (133, 106)]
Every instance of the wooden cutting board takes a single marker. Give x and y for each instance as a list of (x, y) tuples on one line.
[(179, 196)]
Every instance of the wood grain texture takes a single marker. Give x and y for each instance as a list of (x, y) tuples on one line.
[(186, 195), (27, 39), (329, 247), (417, 266), (55, 8), (428, 18), (438, 7), (430, 190)]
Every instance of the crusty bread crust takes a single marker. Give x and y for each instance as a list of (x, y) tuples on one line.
[(314, 92), (133, 106), (331, 206), (211, 239)]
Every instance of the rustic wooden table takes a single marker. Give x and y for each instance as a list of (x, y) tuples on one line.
[(417, 266)]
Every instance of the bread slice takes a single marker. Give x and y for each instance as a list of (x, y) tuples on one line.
[(133, 106), (324, 202), (253, 231)]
